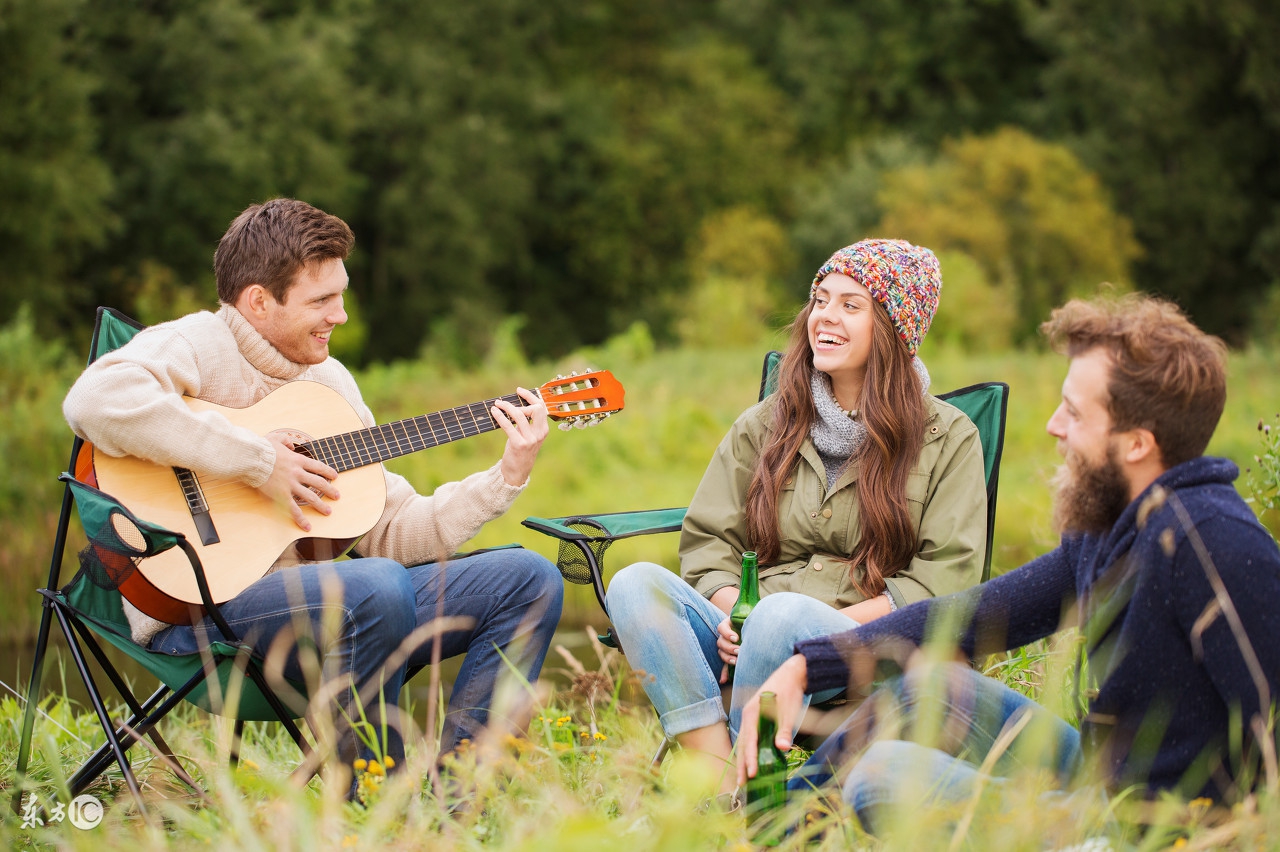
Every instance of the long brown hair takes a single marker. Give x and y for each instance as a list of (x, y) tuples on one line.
[(893, 411)]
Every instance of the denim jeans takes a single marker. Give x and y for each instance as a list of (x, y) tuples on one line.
[(668, 631), (958, 714), (361, 610)]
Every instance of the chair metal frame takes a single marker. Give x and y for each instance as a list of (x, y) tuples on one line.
[(79, 629)]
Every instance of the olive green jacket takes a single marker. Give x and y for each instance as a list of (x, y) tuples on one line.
[(946, 492)]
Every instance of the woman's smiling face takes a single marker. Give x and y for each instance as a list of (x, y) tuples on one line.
[(840, 330)]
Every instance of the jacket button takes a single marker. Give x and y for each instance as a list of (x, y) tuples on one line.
[(813, 514), (826, 513), (817, 566), (934, 430)]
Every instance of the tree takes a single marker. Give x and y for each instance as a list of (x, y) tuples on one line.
[(1036, 221), (206, 106), (53, 185), (1176, 105), (925, 68)]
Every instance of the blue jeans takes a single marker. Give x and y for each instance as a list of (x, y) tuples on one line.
[(921, 738), (360, 610), (668, 631)]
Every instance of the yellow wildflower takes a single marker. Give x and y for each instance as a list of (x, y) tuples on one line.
[(359, 764), (388, 762), (599, 736)]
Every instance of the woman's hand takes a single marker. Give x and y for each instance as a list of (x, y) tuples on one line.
[(727, 644)]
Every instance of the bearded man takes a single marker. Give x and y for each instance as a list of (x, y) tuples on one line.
[(1173, 583)]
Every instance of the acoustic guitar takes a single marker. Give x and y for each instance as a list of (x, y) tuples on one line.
[(240, 533)]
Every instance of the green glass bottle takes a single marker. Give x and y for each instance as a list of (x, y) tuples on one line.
[(767, 792), (748, 597)]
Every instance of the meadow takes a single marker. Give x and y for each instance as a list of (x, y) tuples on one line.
[(582, 777)]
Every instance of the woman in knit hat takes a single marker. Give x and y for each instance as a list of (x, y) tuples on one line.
[(858, 490)]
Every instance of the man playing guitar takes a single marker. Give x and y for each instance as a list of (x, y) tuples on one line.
[(280, 277)]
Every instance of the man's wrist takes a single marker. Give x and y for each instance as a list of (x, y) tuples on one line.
[(799, 667)]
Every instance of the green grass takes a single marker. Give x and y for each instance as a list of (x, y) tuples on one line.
[(580, 780)]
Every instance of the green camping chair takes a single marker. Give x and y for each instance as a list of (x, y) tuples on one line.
[(585, 538), (227, 680)]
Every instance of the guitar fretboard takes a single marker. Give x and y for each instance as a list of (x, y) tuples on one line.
[(392, 440)]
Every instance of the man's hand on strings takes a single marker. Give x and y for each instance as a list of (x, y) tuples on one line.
[(526, 429), (297, 480)]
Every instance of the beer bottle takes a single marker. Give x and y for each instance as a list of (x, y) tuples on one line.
[(767, 792), (748, 597)]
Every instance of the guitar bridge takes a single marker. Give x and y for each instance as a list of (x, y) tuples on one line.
[(197, 506)]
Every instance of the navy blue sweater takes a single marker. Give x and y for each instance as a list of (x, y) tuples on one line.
[(1171, 693)]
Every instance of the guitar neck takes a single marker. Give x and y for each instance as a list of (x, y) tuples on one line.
[(392, 440)]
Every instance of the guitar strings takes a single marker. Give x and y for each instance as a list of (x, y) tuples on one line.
[(367, 445), (370, 445)]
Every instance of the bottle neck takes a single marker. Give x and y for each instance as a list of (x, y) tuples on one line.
[(750, 588), (768, 725)]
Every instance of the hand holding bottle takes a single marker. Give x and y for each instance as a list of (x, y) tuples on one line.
[(748, 596)]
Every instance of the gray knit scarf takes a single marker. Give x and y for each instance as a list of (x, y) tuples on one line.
[(836, 436)]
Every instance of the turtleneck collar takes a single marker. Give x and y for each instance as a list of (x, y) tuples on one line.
[(264, 357)]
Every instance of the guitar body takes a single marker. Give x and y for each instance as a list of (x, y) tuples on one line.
[(254, 532), (239, 533)]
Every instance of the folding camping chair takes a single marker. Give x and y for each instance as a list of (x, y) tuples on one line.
[(88, 609), (585, 538)]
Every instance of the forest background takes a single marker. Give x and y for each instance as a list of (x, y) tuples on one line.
[(631, 184)]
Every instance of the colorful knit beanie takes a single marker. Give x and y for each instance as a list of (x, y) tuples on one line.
[(904, 278)]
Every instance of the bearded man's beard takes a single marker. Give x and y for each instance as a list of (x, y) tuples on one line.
[(1089, 498)]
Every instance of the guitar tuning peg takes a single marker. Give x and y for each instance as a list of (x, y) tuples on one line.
[(578, 424), (564, 425)]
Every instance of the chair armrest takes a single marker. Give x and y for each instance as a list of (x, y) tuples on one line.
[(585, 538), (610, 526), (136, 540)]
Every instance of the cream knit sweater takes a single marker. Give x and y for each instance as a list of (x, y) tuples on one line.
[(129, 402)]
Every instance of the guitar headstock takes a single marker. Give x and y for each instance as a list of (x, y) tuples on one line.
[(582, 399)]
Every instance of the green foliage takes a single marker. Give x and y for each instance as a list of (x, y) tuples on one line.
[(1036, 221), (54, 186), (1174, 105), (974, 313), (204, 108), (738, 260), (34, 446), (838, 205), (860, 70), (556, 160), (1263, 476)]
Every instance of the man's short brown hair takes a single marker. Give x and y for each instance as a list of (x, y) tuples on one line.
[(1167, 376), (269, 244)]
